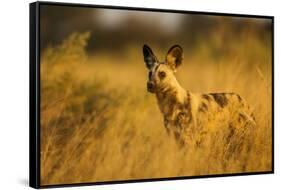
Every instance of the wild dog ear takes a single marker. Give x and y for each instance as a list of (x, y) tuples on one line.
[(149, 58), (174, 57)]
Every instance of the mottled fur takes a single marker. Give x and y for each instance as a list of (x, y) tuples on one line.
[(188, 116)]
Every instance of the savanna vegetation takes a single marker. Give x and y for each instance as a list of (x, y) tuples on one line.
[(98, 122)]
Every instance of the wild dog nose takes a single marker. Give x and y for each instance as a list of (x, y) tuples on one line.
[(150, 87)]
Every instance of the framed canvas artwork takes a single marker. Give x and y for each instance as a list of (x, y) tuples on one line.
[(122, 94)]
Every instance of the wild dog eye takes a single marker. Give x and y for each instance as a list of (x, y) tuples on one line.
[(162, 74)]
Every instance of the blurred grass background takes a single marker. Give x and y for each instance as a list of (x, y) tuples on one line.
[(99, 123)]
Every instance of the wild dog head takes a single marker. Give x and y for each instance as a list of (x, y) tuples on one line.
[(161, 74)]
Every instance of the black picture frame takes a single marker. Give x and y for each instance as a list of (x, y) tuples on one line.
[(34, 93)]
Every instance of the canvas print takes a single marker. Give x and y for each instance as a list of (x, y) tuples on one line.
[(144, 94)]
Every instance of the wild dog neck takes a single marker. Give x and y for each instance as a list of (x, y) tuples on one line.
[(172, 90), (170, 96)]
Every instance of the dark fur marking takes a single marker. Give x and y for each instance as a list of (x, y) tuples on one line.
[(207, 97), (242, 117), (253, 116), (156, 67), (203, 107), (182, 118), (164, 95), (221, 99), (239, 97)]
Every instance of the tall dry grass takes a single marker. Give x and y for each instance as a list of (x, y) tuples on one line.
[(98, 122)]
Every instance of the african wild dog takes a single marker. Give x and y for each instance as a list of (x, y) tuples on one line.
[(188, 115)]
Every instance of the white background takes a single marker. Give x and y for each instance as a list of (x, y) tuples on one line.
[(14, 94)]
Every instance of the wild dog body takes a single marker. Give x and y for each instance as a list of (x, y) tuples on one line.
[(188, 116)]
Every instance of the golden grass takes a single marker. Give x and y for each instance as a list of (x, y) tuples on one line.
[(98, 122)]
